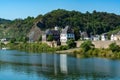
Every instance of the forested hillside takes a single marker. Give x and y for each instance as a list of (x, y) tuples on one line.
[(4, 21), (93, 23)]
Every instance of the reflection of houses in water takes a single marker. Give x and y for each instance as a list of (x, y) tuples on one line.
[(44, 63), (63, 63), (55, 64), (47, 62)]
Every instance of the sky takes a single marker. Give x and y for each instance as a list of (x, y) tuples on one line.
[(12, 9)]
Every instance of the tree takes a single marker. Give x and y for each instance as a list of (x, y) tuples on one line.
[(87, 45), (25, 39), (77, 33), (71, 43), (40, 38), (12, 40), (114, 47), (1, 45), (50, 38)]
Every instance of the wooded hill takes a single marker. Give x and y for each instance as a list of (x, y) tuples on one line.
[(93, 23)]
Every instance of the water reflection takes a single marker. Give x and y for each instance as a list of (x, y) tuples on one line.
[(63, 63), (55, 66)]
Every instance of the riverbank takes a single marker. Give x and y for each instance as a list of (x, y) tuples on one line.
[(87, 50), (94, 52), (67, 51)]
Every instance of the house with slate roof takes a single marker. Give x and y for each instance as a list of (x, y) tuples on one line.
[(67, 33), (55, 33), (115, 37)]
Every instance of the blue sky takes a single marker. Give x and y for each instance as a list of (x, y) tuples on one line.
[(11, 9)]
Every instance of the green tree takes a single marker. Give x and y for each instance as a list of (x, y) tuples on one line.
[(50, 38), (25, 39), (87, 45), (2, 45), (40, 38), (71, 43), (13, 40), (114, 47), (77, 33)]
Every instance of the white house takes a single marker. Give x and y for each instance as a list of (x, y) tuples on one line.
[(95, 38), (67, 33), (104, 37), (84, 36), (115, 37), (3, 40)]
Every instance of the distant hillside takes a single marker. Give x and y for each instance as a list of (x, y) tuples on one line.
[(4, 21), (93, 23)]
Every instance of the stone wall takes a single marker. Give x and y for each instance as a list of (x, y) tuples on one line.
[(99, 44)]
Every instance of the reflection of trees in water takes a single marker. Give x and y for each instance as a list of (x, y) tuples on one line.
[(62, 66)]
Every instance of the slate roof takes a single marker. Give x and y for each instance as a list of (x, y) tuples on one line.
[(52, 32), (66, 30)]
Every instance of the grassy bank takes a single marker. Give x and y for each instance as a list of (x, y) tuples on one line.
[(86, 49), (106, 53), (37, 47)]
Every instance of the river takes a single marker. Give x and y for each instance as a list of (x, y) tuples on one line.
[(16, 65)]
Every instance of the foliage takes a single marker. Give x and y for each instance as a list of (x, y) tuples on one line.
[(114, 47), (22, 39), (17, 28), (97, 52), (4, 21), (1, 45), (13, 40), (40, 38), (71, 43), (92, 23), (63, 47), (87, 45), (25, 39), (31, 47), (49, 38), (77, 33)]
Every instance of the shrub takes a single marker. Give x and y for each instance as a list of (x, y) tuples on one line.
[(114, 47), (87, 45), (50, 38), (71, 43), (63, 47)]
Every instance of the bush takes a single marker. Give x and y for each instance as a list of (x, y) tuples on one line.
[(71, 43), (63, 47), (87, 45), (31, 47), (80, 51), (114, 47), (40, 38), (50, 38)]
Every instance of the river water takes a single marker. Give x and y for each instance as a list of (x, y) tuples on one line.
[(16, 65)]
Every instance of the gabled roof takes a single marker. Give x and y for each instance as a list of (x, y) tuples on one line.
[(52, 32), (84, 34), (67, 29)]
